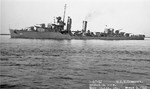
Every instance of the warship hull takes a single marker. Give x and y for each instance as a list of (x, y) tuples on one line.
[(58, 35), (38, 35)]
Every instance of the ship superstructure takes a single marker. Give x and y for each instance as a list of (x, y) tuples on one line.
[(57, 30)]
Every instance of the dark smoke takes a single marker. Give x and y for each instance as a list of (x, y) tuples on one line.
[(91, 16)]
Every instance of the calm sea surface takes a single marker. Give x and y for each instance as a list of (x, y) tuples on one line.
[(73, 64)]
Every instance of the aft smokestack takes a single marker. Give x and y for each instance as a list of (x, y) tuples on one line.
[(84, 26)]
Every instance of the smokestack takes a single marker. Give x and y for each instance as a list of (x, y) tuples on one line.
[(84, 26), (69, 22)]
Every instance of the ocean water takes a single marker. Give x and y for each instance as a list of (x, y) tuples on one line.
[(74, 64)]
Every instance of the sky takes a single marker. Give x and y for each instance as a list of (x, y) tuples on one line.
[(132, 16)]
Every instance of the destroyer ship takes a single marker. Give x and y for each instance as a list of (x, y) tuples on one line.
[(62, 30)]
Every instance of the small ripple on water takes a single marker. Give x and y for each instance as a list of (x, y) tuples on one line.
[(66, 78), (7, 86), (6, 75), (139, 60), (4, 59)]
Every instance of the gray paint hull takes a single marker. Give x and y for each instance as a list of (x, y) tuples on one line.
[(58, 35), (38, 35)]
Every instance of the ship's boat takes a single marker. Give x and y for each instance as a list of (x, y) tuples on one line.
[(57, 30)]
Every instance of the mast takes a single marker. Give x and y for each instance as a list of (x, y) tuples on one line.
[(64, 13)]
